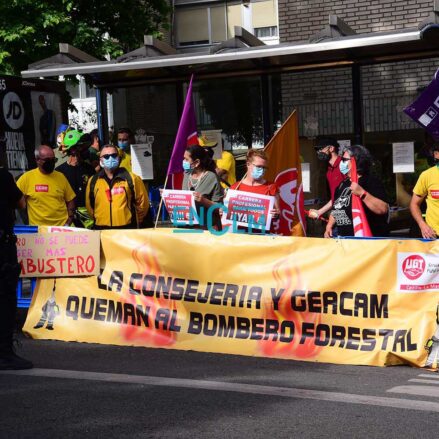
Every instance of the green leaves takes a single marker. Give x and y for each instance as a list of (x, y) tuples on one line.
[(30, 30)]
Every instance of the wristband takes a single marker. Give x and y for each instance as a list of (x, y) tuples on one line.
[(363, 195)]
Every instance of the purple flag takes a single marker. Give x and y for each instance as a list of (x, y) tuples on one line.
[(425, 110), (186, 134)]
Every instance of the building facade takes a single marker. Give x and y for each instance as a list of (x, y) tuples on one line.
[(326, 99)]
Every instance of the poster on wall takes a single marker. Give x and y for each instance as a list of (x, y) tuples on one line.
[(141, 156), (30, 111), (403, 157)]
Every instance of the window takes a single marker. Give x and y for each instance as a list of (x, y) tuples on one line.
[(192, 27), (266, 32), (202, 26)]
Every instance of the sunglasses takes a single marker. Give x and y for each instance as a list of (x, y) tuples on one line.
[(345, 159), (114, 155)]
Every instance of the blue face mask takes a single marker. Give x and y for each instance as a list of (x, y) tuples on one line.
[(258, 172), (344, 167), (123, 144), (110, 163), (187, 167)]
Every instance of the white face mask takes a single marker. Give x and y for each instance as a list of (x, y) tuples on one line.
[(344, 167)]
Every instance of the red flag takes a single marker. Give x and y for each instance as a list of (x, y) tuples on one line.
[(359, 219), (285, 170)]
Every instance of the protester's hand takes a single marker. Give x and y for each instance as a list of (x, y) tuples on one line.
[(275, 213), (198, 197), (161, 191), (427, 231), (313, 213), (328, 232), (356, 189)]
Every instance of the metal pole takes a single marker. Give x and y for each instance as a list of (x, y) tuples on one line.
[(101, 108), (267, 109), (357, 102)]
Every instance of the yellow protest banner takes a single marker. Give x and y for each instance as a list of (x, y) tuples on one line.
[(341, 301)]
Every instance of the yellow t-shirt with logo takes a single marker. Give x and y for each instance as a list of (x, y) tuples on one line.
[(227, 162), (125, 160), (46, 197), (428, 186)]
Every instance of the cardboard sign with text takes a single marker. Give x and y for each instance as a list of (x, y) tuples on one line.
[(180, 206), (247, 208), (59, 254)]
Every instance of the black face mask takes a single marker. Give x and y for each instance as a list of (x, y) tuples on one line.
[(48, 166), (323, 156)]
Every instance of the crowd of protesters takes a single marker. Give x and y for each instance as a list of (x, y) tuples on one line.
[(96, 188)]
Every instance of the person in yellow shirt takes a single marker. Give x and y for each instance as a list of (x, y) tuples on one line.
[(115, 198), (225, 166), (124, 140), (49, 196), (427, 187)]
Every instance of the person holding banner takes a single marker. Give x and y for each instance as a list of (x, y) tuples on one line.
[(200, 177), (427, 187), (253, 181), (369, 189)]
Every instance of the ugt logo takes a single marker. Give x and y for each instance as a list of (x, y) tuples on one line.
[(413, 266), (13, 110)]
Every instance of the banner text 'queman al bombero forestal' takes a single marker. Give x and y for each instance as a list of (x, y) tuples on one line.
[(340, 301)]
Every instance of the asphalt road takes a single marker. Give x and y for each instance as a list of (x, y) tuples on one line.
[(87, 390)]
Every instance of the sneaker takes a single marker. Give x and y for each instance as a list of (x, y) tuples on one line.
[(14, 362)]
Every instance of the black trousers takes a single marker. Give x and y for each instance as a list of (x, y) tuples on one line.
[(9, 273)]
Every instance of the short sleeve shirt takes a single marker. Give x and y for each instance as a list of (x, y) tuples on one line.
[(208, 185), (227, 162), (428, 186), (334, 176), (262, 189), (46, 197), (342, 207), (9, 197)]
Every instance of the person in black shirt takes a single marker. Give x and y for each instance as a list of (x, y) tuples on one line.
[(78, 171), (369, 189), (10, 199)]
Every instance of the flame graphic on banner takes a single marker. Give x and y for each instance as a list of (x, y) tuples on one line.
[(147, 263), (288, 276)]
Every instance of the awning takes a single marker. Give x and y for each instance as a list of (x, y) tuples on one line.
[(362, 49)]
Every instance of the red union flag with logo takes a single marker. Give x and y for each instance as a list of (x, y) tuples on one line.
[(285, 171)]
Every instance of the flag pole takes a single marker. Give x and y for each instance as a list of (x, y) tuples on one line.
[(161, 203)]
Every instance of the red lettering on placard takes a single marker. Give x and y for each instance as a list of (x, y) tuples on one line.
[(71, 265)]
